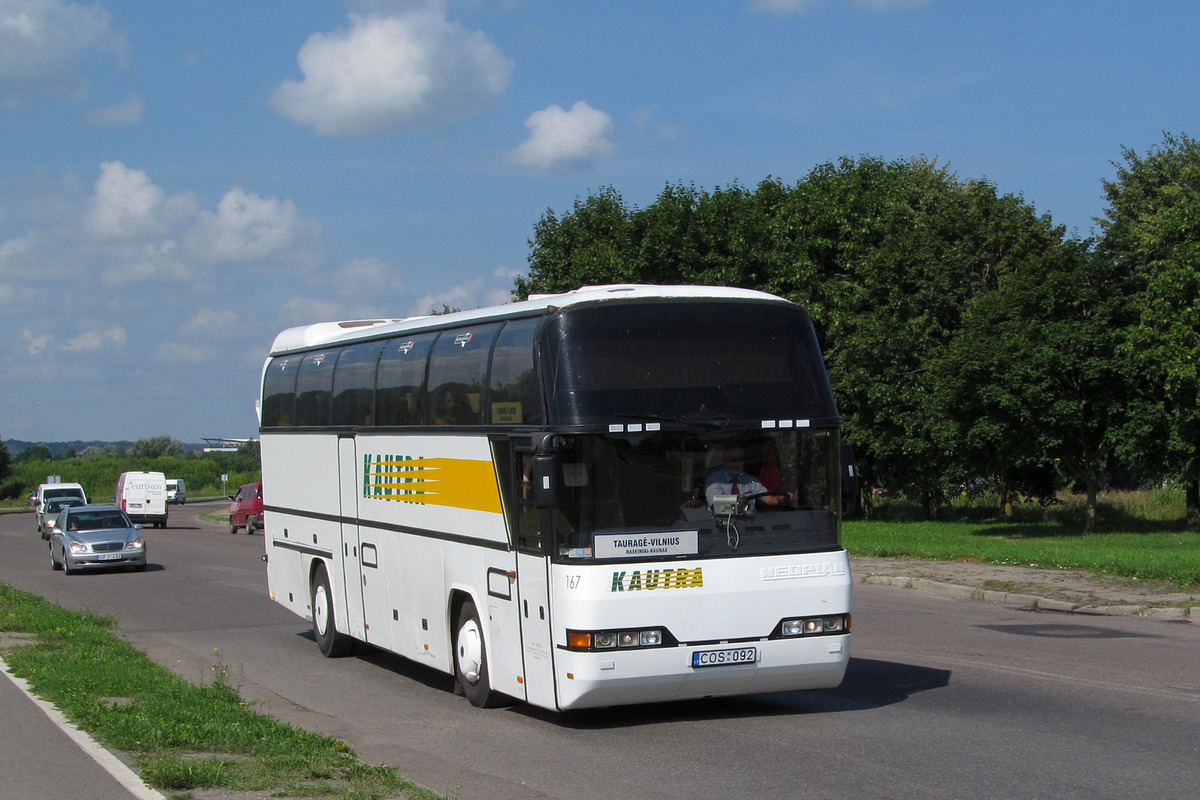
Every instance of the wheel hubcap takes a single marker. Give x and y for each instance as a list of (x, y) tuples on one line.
[(470, 651), (320, 609)]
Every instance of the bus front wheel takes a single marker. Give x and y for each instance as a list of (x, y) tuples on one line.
[(332, 643), (470, 659)]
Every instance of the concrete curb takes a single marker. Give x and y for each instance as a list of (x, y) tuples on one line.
[(956, 591)]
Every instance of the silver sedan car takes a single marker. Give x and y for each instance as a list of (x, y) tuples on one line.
[(87, 537), (54, 505)]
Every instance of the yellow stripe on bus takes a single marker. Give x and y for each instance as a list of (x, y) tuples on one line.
[(451, 482)]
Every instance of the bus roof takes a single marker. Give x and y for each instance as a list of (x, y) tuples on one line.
[(324, 333)]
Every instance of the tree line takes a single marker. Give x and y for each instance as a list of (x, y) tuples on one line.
[(98, 468), (971, 342)]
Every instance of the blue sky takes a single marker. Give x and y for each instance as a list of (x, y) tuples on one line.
[(181, 181)]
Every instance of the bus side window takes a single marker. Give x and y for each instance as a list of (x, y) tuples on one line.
[(279, 392), (457, 374), (513, 396), (400, 379), (314, 388), (354, 384)]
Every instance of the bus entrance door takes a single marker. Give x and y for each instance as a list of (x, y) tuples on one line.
[(355, 575), (537, 646)]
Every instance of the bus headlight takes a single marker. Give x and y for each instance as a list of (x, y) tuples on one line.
[(813, 626), (610, 640)]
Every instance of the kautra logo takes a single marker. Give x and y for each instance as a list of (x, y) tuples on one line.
[(392, 477), (465, 483), (639, 581)]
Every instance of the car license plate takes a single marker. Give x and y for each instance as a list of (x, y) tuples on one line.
[(724, 658), (108, 556)]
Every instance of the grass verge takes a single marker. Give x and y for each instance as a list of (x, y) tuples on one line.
[(180, 735), (1172, 556)]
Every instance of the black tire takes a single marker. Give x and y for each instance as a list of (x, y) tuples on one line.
[(470, 659), (54, 565), (232, 528), (332, 643), (66, 565)]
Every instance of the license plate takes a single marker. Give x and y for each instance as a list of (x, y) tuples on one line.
[(108, 556), (723, 658)]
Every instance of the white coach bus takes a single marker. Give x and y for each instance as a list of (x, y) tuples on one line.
[(533, 497)]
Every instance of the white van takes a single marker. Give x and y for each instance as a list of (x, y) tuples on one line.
[(54, 491), (176, 491), (143, 496)]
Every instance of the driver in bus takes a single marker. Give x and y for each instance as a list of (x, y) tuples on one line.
[(732, 478)]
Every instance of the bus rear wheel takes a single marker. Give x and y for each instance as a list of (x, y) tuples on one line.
[(470, 659), (331, 643)]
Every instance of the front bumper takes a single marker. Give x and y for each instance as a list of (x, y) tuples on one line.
[(128, 558)]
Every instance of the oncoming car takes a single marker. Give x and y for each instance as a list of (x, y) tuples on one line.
[(86, 537), (246, 510), (51, 509)]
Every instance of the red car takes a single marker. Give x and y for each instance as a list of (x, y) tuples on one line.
[(246, 510)]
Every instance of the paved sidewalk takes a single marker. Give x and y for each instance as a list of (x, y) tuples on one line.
[(1070, 591), (48, 759)]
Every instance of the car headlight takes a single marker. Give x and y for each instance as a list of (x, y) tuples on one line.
[(137, 544), (78, 547)]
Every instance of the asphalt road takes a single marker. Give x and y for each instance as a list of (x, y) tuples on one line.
[(943, 698)]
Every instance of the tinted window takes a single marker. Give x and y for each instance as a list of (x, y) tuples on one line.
[(687, 360), (400, 379), (354, 384), (457, 375), (314, 388), (279, 392), (514, 397)]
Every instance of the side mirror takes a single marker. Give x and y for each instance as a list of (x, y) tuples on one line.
[(547, 470), (547, 477)]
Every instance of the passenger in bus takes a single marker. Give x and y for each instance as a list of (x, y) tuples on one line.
[(454, 407), (732, 478)]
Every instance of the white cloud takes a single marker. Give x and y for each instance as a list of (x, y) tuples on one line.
[(212, 322), (41, 41), (391, 72), (119, 115), (368, 278), (94, 340), (179, 353), (565, 140), (307, 310), (126, 204), (247, 227), (646, 124), (35, 344)]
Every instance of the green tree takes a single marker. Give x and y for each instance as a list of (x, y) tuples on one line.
[(5, 461), (35, 452), (1152, 229), (886, 255), (1040, 377), (591, 245), (156, 447)]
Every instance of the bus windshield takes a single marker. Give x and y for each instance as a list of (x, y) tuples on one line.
[(670, 495), (685, 361)]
